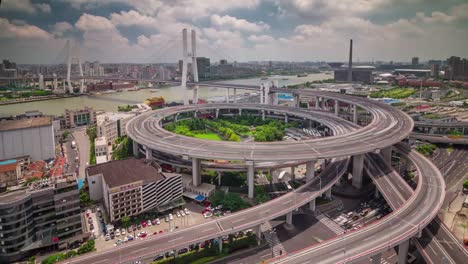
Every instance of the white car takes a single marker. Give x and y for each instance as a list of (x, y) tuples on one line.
[(186, 211), (117, 233), (158, 222), (149, 223), (182, 213), (171, 217), (107, 237), (178, 214), (207, 214), (123, 232)]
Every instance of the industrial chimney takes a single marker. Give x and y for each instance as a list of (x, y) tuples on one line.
[(350, 63)]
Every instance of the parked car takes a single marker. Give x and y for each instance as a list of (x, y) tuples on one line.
[(143, 224), (171, 217), (207, 214), (166, 219), (183, 250), (122, 232), (186, 211), (178, 214), (117, 233), (107, 237), (149, 223), (158, 222), (158, 257), (182, 213)]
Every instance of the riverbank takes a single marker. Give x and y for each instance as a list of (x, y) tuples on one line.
[(37, 98)]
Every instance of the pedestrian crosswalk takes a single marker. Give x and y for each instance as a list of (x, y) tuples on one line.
[(322, 218), (272, 240)]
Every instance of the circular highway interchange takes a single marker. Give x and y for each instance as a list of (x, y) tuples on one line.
[(347, 142)]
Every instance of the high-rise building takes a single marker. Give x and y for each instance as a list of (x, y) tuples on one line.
[(435, 69), (223, 62), (80, 117), (457, 69), (203, 67), (415, 61), (45, 214)]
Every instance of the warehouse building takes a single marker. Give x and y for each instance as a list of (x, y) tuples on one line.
[(32, 137), (131, 186)]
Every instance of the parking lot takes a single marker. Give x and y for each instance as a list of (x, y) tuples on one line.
[(151, 228)]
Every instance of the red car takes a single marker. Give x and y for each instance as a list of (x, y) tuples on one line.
[(155, 233), (143, 224), (143, 235), (160, 231)]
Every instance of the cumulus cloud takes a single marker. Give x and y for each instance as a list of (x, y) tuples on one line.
[(89, 22), (22, 31), (58, 29), (260, 38), (25, 6), (234, 23)]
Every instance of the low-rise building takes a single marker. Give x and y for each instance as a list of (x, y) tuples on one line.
[(32, 137), (10, 172), (43, 215), (204, 189), (132, 186), (363, 74), (79, 117), (112, 125)]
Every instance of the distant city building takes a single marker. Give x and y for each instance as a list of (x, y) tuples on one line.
[(415, 61), (112, 125), (43, 215), (203, 67), (457, 69), (435, 69), (32, 137), (363, 74), (223, 62), (415, 72), (8, 69), (132, 186), (80, 117)]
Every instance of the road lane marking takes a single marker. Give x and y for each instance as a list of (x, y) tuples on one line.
[(139, 249), (104, 260), (286, 203), (239, 220), (368, 238), (432, 249), (206, 230), (338, 250), (175, 239)]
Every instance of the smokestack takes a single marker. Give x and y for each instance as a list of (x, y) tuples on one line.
[(350, 63)]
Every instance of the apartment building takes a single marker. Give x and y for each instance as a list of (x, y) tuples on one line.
[(112, 125), (79, 117), (43, 215), (131, 186)]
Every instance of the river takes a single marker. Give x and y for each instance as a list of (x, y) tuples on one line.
[(109, 102)]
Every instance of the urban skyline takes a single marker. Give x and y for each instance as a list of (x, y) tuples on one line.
[(246, 30)]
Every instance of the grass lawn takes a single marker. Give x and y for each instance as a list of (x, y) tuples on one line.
[(209, 136)]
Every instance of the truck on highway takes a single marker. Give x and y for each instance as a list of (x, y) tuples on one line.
[(73, 144)]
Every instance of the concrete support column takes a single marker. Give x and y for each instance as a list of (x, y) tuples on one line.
[(217, 113), (289, 217), (195, 95), (219, 178), (328, 193), (220, 244), (176, 117), (377, 193), (296, 100), (227, 95), (240, 112), (293, 174), (317, 103), (196, 175), (312, 205), (258, 233), (310, 170), (250, 178), (387, 154), (235, 95), (149, 153), (337, 107), (403, 252), (376, 258), (286, 118), (135, 149), (263, 114), (355, 115), (358, 163)]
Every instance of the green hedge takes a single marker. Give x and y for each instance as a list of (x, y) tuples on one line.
[(85, 248)]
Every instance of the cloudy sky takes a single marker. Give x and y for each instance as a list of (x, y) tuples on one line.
[(35, 31)]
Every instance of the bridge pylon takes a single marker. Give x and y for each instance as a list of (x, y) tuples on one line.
[(185, 58), (73, 55)]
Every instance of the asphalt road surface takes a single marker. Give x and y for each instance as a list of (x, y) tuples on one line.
[(82, 143)]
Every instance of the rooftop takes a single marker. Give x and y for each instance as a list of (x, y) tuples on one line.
[(121, 172), (25, 123), (110, 116), (100, 141)]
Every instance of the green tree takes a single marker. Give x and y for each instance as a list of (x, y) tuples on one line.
[(85, 199), (465, 184), (125, 221)]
